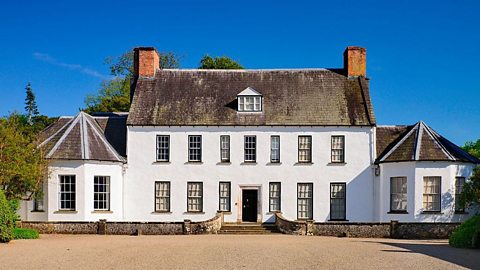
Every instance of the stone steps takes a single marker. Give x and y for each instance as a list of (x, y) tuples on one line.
[(248, 229)]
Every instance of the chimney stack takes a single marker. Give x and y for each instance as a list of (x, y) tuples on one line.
[(355, 61), (145, 61)]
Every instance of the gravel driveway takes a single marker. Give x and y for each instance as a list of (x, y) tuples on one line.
[(231, 252)]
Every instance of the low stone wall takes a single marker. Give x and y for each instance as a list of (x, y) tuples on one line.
[(414, 230), (364, 230), (393, 229), (127, 228)]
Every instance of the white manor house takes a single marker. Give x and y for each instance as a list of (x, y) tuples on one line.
[(249, 143)]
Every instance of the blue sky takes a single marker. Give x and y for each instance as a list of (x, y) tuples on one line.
[(423, 57)]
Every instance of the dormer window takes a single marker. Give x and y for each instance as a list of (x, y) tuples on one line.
[(249, 100)]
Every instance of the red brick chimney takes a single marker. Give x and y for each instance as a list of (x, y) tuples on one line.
[(145, 61), (355, 61)]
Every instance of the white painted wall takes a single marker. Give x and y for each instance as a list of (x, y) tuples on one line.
[(415, 171), (143, 170), (84, 172)]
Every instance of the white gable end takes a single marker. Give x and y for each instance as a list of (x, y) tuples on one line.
[(249, 91)]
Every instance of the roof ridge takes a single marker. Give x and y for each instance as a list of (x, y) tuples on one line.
[(244, 70), (96, 128), (432, 134), (67, 132)]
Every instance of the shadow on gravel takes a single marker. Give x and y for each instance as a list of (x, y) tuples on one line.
[(469, 258)]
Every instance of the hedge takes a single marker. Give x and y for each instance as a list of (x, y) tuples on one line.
[(467, 235), (7, 219)]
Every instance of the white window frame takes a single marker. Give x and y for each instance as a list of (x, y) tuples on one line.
[(398, 194), (275, 195), (225, 148), (195, 148), (163, 148), (224, 196), (338, 149), (162, 196), (250, 148), (101, 199), (67, 193), (194, 197), (305, 201), (305, 149), (338, 198), (432, 190), (250, 103), (275, 149)]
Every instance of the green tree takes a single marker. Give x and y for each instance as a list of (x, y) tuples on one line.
[(22, 164), (31, 108), (471, 190), (7, 220), (473, 148), (222, 62), (114, 95)]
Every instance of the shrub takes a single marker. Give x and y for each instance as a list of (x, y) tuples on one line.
[(21, 233), (467, 235), (7, 219)]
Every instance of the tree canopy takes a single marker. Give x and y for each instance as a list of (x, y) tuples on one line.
[(470, 195), (114, 94), (22, 165), (31, 108), (473, 148), (222, 62)]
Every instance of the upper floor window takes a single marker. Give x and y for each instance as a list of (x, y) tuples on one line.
[(163, 148), (250, 148), (338, 149), (305, 149), (275, 149), (249, 100), (195, 148), (225, 148)]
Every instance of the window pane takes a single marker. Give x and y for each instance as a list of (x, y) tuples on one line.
[(305, 201), (194, 196), (225, 148), (67, 192), (250, 148), (224, 196), (338, 149), (398, 193), (275, 148), (274, 197), (337, 201), (195, 148), (304, 148), (431, 193)]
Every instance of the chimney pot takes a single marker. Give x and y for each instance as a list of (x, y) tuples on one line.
[(355, 61), (145, 61)]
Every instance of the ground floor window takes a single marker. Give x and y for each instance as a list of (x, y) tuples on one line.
[(38, 201), (398, 194), (338, 201), (101, 193), (274, 194), (224, 196), (305, 201), (431, 193), (67, 192), (162, 196), (459, 182), (194, 197)]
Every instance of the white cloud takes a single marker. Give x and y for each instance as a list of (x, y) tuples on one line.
[(48, 59)]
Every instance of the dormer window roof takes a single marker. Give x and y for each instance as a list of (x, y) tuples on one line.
[(250, 100)]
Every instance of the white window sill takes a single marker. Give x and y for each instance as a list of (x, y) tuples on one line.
[(65, 212), (102, 212)]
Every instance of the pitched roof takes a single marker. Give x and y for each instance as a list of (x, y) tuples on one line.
[(291, 97), (417, 143), (81, 138)]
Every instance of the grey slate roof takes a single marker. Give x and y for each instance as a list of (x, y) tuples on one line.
[(417, 143), (291, 97), (82, 138)]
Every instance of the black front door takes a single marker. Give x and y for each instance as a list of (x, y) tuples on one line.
[(249, 201)]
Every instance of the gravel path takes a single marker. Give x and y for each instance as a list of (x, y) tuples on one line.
[(231, 252)]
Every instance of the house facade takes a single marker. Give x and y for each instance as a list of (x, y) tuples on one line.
[(249, 143)]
